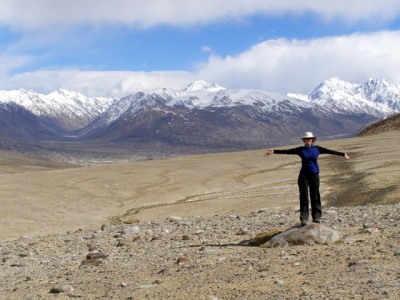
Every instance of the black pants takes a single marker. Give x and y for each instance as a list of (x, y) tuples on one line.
[(309, 184)]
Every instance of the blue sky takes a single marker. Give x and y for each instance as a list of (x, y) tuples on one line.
[(113, 48)]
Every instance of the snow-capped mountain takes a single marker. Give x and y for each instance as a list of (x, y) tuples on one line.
[(203, 85), (202, 98), (205, 115), (68, 110), (375, 97)]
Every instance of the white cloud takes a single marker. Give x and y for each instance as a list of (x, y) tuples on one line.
[(96, 83), (299, 65), (280, 65), (206, 49), (277, 65), (138, 13)]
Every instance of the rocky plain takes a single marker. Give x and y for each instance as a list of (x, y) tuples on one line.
[(202, 227)]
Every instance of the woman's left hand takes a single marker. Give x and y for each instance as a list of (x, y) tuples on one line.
[(269, 152)]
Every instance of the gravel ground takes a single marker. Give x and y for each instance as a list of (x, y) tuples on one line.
[(208, 258)]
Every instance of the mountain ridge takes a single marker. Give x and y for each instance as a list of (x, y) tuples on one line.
[(378, 94), (205, 115)]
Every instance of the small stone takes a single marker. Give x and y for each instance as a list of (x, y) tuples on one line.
[(130, 230), (96, 255), (174, 219), (371, 230), (61, 289), (358, 262), (164, 271), (23, 241), (185, 223), (104, 227), (24, 254), (185, 237), (148, 286), (92, 247), (242, 231), (92, 262), (347, 240), (182, 260), (131, 220), (123, 242), (279, 282)]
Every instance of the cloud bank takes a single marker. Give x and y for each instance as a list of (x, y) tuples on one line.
[(293, 65), (42, 13), (281, 65), (277, 65)]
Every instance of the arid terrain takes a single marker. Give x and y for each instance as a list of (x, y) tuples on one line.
[(172, 228)]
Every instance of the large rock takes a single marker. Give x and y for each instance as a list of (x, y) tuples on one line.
[(307, 235)]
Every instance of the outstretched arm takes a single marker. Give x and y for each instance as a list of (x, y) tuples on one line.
[(323, 150), (286, 151)]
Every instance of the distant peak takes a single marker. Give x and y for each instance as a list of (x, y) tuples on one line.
[(377, 82), (335, 81), (64, 92), (201, 85)]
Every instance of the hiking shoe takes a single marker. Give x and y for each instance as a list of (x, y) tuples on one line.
[(303, 222), (317, 221)]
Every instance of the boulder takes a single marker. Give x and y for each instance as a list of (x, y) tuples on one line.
[(307, 235)]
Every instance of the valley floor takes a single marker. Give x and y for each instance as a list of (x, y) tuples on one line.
[(53, 239)]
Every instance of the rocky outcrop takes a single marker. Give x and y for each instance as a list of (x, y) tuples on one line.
[(307, 235)]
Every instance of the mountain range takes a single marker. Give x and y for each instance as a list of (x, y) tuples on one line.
[(203, 116)]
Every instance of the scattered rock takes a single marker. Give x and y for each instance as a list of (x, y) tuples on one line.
[(124, 242), (174, 219), (104, 227), (185, 237), (131, 220), (23, 241), (61, 289), (94, 259), (130, 230), (96, 255), (182, 260), (279, 282), (203, 257), (92, 262)]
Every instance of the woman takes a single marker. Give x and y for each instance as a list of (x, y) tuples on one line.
[(308, 180)]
